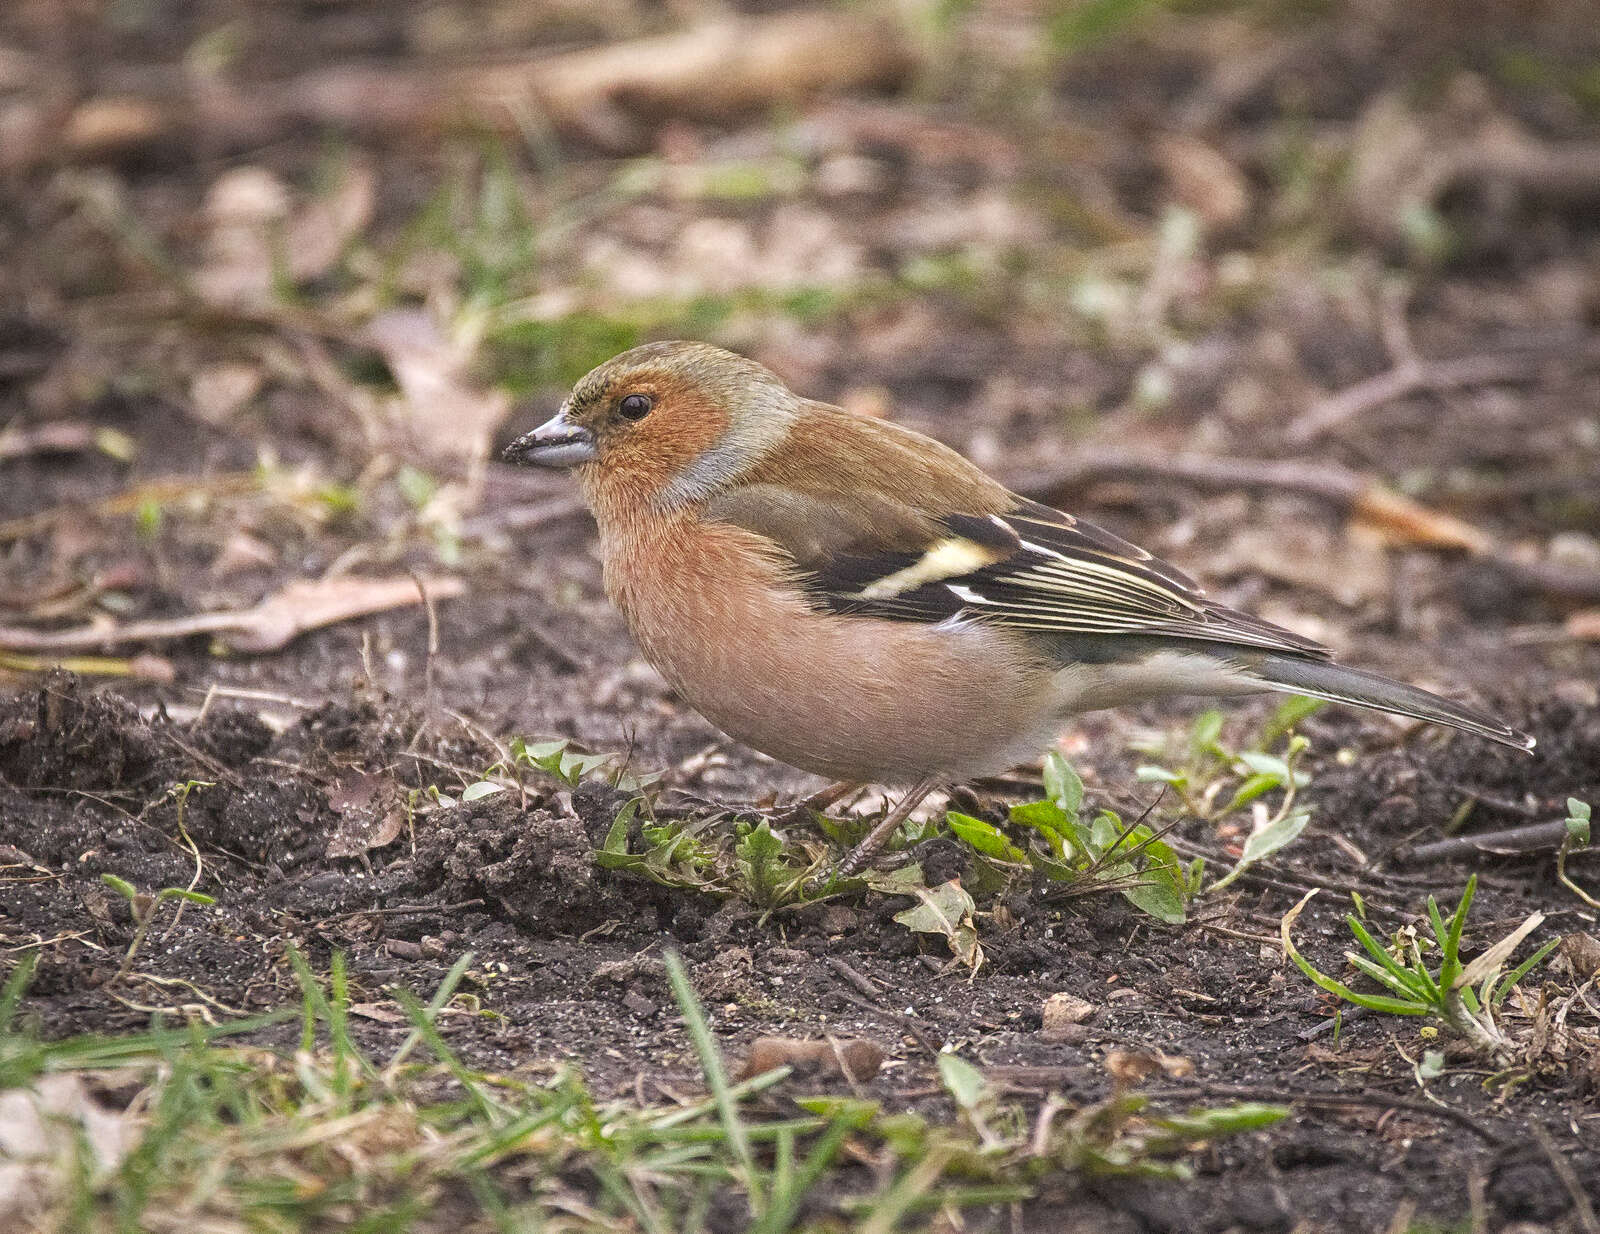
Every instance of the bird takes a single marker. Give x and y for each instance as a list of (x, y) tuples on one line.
[(859, 601)]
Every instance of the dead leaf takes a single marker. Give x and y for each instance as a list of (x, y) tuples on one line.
[(302, 605), (242, 209), (1063, 1012), (113, 122), (1584, 624), (243, 551), (1129, 1067), (44, 1129), (441, 409), (856, 1059), (1493, 958), (257, 235), (1204, 180), (1582, 953), (379, 1013), (371, 814), (318, 234), (52, 437), (947, 910), (1402, 521), (216, 391)]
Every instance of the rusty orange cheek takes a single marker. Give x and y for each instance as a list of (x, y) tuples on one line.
[(681, 428)]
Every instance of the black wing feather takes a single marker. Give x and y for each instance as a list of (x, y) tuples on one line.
[(1042, 571)]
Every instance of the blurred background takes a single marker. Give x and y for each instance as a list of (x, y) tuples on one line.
[(1301, 293)]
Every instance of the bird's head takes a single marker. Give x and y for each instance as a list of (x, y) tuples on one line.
[(666, 423)]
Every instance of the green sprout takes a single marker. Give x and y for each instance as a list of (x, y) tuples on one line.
[(1463, 997), (1085, 854), (143, 906), (1577, 837)]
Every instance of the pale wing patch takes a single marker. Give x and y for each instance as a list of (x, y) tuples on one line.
[(950, 558)]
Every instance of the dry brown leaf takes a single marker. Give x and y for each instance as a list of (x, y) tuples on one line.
[(371, 815), (52, 437), (45, 1128), (304, 604), (257, 235), (857, 1059), (1063, 1012), (1134, 1065), (318, 234), (216, 391), (1204, 180), (1581, 951), (242, 208), (441, 409), (1584, 624), (379, 1013), (243, 551), (1400, 520)]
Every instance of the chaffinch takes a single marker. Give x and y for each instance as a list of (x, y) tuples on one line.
[(859, 601)]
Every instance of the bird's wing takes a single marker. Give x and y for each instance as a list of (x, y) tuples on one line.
[(1028, 567)]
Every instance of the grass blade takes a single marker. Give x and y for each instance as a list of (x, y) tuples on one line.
[(716, 1078)]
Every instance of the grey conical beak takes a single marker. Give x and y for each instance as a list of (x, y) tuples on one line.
[(555, 443)]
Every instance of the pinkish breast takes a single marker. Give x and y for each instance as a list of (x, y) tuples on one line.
[(852, 698)]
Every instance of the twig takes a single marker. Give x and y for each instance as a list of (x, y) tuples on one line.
[(612, 95), (1410, 375), (1534, 839), (401, 909), (859, 980)]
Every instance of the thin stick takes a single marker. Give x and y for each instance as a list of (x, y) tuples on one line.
[(1534, 839)]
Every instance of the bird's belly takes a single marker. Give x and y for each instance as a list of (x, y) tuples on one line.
[(852, 698)]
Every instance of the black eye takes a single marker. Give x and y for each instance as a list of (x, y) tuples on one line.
[(635, 406)]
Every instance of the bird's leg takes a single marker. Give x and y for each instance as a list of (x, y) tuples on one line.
[(862, 854), (823, 798)]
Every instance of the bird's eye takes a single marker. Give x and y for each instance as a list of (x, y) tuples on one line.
[(635, 406)]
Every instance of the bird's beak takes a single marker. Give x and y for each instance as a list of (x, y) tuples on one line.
[(555, 443)]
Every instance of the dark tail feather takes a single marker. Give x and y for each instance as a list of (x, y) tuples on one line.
[(1338, 684)]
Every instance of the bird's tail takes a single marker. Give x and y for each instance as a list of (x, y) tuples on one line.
[(1339, 684)]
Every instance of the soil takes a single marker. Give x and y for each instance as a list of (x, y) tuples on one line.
[(312, 824)]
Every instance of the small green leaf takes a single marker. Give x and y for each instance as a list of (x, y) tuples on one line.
[(946, 909), (183, 893), (1160, 892), (1151, 774), (1266, 765), (963, 1081), (1577, 822), (1253, 786), (1205, 734), (1275, 835), (1226, 1120), (1432, 1065), (482, 788), (1062, 784), (1289, 713), (984, 837), (121, 886)]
